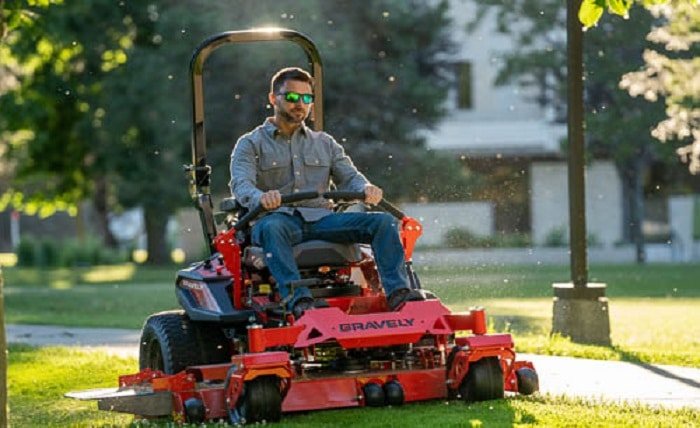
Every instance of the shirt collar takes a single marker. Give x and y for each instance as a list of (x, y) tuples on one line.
[(272, 129)]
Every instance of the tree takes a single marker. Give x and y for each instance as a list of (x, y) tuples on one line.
[(672, 73), (3, 343), (375, 94), (616, 126), (122, 116), (52, 63)]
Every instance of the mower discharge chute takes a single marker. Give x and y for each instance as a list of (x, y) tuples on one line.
[(234, 352)]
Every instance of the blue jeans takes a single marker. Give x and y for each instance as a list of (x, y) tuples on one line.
[(276, 233)]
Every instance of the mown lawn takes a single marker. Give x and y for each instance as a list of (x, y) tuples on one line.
[(654, 309), (40, 377), (654, 312)]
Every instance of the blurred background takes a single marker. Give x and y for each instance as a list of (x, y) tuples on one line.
[(456, 108)]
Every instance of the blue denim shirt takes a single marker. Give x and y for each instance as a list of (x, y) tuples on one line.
[(264, 160)]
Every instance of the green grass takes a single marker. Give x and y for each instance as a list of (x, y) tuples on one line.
[(108, 296), (38, 378), (654, 315), (475, 283), (653, 308)]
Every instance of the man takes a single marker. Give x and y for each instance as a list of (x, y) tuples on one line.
[(284, 156)]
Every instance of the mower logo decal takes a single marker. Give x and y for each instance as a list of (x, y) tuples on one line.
[(376, 325), (192, 285)]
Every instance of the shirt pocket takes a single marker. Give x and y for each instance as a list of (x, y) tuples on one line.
[(274, 169), (317, 167)]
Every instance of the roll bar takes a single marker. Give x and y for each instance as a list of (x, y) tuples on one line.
[(199, 172)]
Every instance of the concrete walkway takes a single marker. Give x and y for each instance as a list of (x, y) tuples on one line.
[(657, 385), (115, 341)]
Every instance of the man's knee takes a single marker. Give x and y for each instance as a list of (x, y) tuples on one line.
[(385, 220), (277, 226)]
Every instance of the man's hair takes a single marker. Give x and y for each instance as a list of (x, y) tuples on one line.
[(289, 73)]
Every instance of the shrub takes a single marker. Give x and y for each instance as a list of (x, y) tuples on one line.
[(49, 253), (556, 237), (32, 252), (463, 238), (513, 240), (27, 251)]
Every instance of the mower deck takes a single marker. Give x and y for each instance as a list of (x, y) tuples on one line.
[(433, 366)]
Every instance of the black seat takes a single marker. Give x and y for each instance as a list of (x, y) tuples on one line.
[(310, 254)]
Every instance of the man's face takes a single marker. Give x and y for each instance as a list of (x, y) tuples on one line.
[(293, 112)]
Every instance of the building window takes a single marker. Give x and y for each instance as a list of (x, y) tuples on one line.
[(464, 85)]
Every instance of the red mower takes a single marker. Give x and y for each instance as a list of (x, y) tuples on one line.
[(234, 352)]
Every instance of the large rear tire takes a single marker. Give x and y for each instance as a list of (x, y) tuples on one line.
[(484, 381), (170, 342)]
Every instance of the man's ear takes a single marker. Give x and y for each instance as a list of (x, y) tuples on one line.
[(271, 98)]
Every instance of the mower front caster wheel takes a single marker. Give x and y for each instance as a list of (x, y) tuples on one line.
[(528, 381), (261, 401), (484, 381)]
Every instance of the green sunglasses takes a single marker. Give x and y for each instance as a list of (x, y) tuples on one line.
[(293, 97)]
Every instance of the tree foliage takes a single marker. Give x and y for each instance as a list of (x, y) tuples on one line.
[(672, 72), (97, 95), (591, 11), (52, 69)]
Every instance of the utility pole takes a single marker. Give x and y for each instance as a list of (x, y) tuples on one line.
[(580, 308)]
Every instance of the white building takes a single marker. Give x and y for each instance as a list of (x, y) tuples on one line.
[(499, 127)]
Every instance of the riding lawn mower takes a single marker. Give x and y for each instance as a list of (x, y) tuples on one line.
[(234, 352)]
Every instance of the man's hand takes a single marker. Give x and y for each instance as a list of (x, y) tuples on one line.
[(373, 194), (271, 200)]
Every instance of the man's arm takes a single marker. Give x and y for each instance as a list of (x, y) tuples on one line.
[(244, 174), (343, 171), (347, 177)]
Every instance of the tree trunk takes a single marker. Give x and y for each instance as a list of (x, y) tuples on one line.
[(100, 204), (638, 210), (627, 204), (3, 359), (3, 343), (633, 205), (156, 220)]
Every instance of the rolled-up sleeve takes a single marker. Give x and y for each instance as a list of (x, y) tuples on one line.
[(244, 174), (343, 171)]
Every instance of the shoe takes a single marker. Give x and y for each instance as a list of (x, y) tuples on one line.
[(302, 305), (401, 296)]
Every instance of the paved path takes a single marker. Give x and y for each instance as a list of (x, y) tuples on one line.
[(658, 385), (115, 341)]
